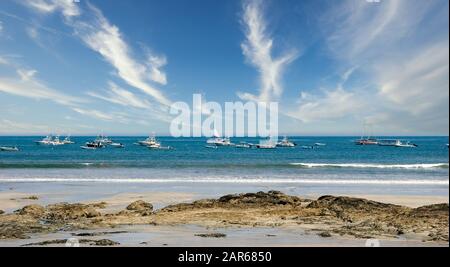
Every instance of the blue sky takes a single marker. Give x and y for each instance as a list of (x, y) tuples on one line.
[(114, 66)]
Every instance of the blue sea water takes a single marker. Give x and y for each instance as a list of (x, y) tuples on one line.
[(340, 166)]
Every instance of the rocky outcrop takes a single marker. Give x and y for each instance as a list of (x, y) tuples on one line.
[(329, 215), (261, 199), (141, 207), (35, 211), (352, 204), (68, 212), (1, 212), (243, 201)]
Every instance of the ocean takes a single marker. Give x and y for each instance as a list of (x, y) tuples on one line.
[(340, 167)]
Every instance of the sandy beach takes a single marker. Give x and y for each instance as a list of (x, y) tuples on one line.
[(254, 219)]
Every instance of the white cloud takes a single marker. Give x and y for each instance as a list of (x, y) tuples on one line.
[(401, 52), (94, 114), (28, 86), (258, 49), (420, 83), (120, 96), (107, 40), (69, 8), (332, 105), (155, 63)]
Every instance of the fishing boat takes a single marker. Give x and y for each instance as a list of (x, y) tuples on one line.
[(68, 141), (93, 145), (243, 145), (217, 140), (266, 144), (103, 140), (159, 147), (286, 143), (408, 144), (47, 141), (117, 145), (366, 140), (150, 141), (9, 148), (320, 144), (57, 142)]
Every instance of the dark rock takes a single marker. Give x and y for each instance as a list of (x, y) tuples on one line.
[(31, 198), (98, 233), (2, 212), (47, 243), (100, 243), (325, 234), (351, 204), (212, 235)]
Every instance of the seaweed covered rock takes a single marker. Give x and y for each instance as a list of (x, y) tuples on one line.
[(67, 212), (261, 199), (352, 204), (141, 207), (35, 211)]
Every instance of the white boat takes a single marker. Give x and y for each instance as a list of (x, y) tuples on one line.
[(103, 139), (159, 147), (320, 144), (150, 141), (47, 141), (93, 145), (243, 145), (9, 148), (266, 144), (117, 145), (406, 144), (217, 140), (57, 142), (366, 140), (50, 141), (67, 141), (286, 143)]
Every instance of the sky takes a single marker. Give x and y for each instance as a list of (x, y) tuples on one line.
[(83, 67)]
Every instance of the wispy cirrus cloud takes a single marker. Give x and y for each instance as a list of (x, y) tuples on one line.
[(69, 8), (258, 50), (106, 39), (97, 33), (94, 114), (404, 64), (120, 96), (25, 84)]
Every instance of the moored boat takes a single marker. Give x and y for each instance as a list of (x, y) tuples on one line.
[(9, 148)]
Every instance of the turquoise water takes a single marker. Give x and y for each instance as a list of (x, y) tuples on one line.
[(340, 165)]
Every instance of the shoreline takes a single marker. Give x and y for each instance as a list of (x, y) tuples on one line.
[(268, 219)]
